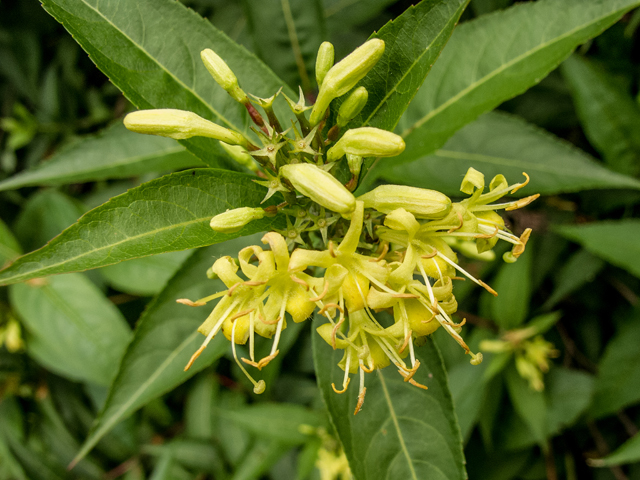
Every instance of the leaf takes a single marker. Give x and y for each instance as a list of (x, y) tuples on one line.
[(286, 36), (69, 321), (468, 385), (198, 411), (628, 452), (498, 143), (618, 377), (262, 456), (610, 117), (9, 246), (114, 153), (528, 403), (511, 50), (342, 16), (145, 276), (401, 431), (413, 42), (166, 214), (150, 50), (164, 340), (615, 241)]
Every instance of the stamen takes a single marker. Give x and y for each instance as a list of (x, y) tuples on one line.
[(331, 252), (253, 283), (252, 321), (366, 369), (265, 361), (232, 289), (361, 393), (406, 341), (453, 229), (524, 238), (258, 387), (412, 355), (322, 295), (467, 274), (419, 385), (301, 282), (269, 322), (488, 235), (279, 328), (431, 255), (335, 330), (330, 305), (521, 185), (344, 389), (523, 202), (404, 295), (385, 250), (186, 301)]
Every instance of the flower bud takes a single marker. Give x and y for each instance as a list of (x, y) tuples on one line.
[(352, 106), (233, 220), (355, 164), (222, 74), (344, 75), (367, 142), (179, 124), (423, 203), (239, 154), (324, 61), (320, 186)]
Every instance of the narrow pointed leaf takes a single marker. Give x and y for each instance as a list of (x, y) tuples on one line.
[(9, 246), (114, 153), (401, 431), (167, 214), (628, 452), (510, 51), (150, 49), (497, 143)]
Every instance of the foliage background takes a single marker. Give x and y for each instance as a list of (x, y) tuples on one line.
[(583, 263)]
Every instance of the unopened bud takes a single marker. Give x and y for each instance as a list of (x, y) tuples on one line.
[(320, 186), (344, 75), (352, 106), (222, 74), (355, 164), (240, 155), (423, 203), (180, 124), (324, 61), (233, 220), (367, 142)]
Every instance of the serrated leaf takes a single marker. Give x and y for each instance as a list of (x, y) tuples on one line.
[(286, 36), (628, 452), (73, 329), (511, 50), (401, 431), (498, 143), (615, 241), (610, 117), (167, 214), (114, 153), (150, 49), (164, 340)]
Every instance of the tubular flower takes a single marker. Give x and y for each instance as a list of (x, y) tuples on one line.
[(390, 252)]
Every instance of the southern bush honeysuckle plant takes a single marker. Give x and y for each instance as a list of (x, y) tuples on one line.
[(344, 257)]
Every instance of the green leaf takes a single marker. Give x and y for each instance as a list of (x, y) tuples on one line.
[(510, 51), (262, 456), (628, 452), (164, 340), (413, 42), (9, 246), (528, 403), (401, 431), (145, 276), (615, 241), (468, 384), (286, 36), (114, 153), (610, 117), (198, 411), (167, 214), (193, 454), (150, 49), (618, 377), (69, 320), (498, 143)]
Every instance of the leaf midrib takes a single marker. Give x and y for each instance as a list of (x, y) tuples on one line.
[(176, 79), (486, 78)]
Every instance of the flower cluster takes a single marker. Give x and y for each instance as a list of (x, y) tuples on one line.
[(344, 257)]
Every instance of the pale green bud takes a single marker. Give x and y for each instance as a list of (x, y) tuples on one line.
[(423, 203), (240, 155), (180, 124), (320, 186), (233, 220), (324, 61), (352, 106), (344, 75), (222, 74), (355, 164), (367, 142)]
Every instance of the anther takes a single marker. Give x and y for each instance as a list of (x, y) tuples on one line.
[(521, 185), (322, 295), (453, 229), (346, 385), (186, 301), (194, 357), (360, 400)]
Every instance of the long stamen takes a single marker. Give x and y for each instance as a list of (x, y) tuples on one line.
[(258, 387), (468, 275), (252, 321), (361, 393), (274, 348)]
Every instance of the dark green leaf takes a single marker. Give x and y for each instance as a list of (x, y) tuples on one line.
[(628, 452), (610, 117), (9, 246), (401, 431), (69, 322), (198, 411), (164, 340), (343, 16), (529, 404), (167, 214), (286, 36), (494, 58), (468, 383), (497, 143), (150, 49), (193, 454), (259, 459), (115, 153), (615, 241)]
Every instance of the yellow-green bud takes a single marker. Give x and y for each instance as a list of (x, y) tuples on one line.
[(240, 155), (320, 186), (423, 203), (179, 124), (355, 164), (324, 61), (344, 75), (367, 142), (352, 106), (233, 220), (222, 74)]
